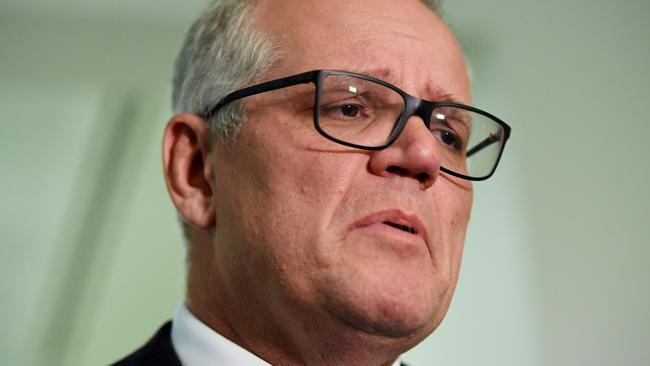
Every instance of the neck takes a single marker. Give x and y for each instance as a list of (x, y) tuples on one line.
[(291, 335)]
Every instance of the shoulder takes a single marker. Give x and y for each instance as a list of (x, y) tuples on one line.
[(158, 351)]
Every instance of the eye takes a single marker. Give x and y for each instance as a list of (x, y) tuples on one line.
[(344, 111), (350, 110), (448, 138)]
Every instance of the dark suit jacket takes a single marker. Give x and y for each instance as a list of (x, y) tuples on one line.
[(159, 351)]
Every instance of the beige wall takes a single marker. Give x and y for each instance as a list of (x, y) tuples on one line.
[(555, 273)]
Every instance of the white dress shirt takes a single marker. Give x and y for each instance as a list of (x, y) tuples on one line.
[(196, 344)]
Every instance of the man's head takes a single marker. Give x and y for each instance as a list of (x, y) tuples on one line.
[(302, 249)]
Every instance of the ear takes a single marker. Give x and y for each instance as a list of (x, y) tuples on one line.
[(187, 144)]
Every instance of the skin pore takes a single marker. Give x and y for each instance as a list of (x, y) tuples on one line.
[(290, 255)]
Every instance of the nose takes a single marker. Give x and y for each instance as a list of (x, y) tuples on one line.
[(414, 155)]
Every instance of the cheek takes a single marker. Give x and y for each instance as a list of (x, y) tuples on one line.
[(278, 189), (453, 199), (453, 205), (460, 212)]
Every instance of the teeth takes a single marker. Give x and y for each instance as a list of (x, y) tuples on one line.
[(408, 229)]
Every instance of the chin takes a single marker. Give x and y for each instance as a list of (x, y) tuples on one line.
[(388, 310), (398, 317)]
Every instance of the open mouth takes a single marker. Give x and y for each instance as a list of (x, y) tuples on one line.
[(405, 228)]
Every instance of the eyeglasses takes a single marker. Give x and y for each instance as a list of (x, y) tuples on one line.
[(366, 113)]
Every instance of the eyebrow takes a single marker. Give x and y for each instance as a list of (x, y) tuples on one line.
[(441, 96), (433, 93)]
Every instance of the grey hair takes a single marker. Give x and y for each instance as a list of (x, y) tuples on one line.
[(223, 52)]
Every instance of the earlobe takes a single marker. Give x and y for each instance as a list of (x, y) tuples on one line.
[(187, 146)]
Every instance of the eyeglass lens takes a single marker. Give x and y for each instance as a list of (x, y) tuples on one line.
[(365, 113)]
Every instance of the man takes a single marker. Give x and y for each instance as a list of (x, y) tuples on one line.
[(325, 198)]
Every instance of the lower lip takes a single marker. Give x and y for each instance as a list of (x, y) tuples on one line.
[(393, 234)]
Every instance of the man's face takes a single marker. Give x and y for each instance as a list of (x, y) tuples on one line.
[(303, 225)]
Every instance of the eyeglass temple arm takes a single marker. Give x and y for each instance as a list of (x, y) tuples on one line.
[(303, 78), (494, 137)]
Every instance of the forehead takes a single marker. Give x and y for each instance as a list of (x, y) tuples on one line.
[(404, 40)]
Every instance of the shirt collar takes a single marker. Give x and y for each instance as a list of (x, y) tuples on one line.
[(196, 344)]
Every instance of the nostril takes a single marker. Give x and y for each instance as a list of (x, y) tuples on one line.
[(423, 177), (397, 170)]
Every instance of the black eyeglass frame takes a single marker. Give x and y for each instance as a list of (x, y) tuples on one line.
[(412, 106)]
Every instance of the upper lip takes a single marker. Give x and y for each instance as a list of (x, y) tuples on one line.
[(397, 217)]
